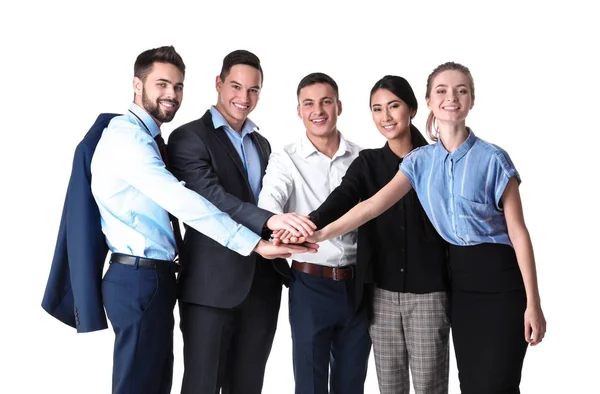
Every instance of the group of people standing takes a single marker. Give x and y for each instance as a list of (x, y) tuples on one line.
[(390, 248)]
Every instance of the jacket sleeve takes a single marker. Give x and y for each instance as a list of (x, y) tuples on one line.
[(86, 246)]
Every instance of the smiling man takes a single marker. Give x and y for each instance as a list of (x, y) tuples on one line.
[(228, 303), (135, 193), (327, 334)]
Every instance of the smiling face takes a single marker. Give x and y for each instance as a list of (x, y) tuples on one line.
[(390, 114), (161, 92), (450, 97), (319, 108), (238, 94)]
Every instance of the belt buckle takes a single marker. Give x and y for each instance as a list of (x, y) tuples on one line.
[(334, 274)]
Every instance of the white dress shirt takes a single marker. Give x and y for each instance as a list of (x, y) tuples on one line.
[(298, 179)]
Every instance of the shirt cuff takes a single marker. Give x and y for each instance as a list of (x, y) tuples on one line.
[(244, 241)]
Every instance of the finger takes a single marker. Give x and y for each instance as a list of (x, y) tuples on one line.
[(277, 233), (291, 229), (527, 332), (305, 220), (305, 225), (311, 245), (285, 234)]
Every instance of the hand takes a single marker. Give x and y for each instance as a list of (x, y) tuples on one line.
[(297, 225), (535, 325), (270, 251), (284, 236)]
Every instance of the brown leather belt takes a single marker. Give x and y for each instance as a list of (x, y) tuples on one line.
[(335, 273)]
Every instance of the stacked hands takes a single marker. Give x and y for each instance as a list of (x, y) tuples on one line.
[(292, 233)]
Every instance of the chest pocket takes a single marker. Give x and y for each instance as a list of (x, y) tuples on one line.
[(476, 219)]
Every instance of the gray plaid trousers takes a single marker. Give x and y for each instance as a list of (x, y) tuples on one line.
[(411, 330)]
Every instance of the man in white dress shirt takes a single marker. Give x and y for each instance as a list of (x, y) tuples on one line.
[(326, 332)]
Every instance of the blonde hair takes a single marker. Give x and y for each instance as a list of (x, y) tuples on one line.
[(430, 127)]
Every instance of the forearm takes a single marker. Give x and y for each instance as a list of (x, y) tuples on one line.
[(524, 250), (369, 209), (353, 219)]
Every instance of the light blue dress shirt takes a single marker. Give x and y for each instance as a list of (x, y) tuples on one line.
[(245, 148), (134, 191), (461, 191)]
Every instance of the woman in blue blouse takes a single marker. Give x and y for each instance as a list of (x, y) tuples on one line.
[(469, 190)]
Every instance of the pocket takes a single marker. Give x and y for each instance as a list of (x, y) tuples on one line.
[(476, 218), (128, 293), (118, 275)]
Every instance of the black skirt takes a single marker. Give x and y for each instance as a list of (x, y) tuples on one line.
[(488, 303)]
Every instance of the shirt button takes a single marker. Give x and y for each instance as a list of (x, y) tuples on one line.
[(401, 269), (402, 228), (402, 250)]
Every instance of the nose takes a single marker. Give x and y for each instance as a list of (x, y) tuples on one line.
[(319, 108), (387, 115), (243, 94), (170, 92), (451, 96)]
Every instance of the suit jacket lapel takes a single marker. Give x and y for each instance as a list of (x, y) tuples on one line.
[(263, 153)]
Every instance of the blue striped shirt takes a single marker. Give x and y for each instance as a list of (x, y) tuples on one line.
[(134, 191), (461, 191)]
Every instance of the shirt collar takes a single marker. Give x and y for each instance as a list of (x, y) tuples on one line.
[(307, 147), (219, 121), (389, 157), (461, 150), (147, 122)]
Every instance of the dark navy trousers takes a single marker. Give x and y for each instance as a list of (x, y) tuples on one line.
[(327, 335), (139, 303)]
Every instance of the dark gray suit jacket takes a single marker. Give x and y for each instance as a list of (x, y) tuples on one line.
[(206, 160)]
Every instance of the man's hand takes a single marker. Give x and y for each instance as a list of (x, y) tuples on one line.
[(297, 225), (271, 251), (284, 236)]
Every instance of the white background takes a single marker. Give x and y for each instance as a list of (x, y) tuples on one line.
[(536, 78)]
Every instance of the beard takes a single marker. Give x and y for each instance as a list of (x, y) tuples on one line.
[(154, 109)]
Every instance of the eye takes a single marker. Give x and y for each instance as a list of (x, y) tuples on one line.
[(308, 103), (440, 91), (179, 88), (376, 109), (236, 87), (162, 84), (327, 102), (254, 91), (463, 91), (395, 105)]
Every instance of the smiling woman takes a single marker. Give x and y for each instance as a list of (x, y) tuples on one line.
[(495, 303)]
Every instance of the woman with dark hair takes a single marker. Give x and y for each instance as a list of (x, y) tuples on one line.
[(469, 189), (401, 265)]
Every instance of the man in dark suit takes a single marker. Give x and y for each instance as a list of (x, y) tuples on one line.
[(134, 194), (228, 303)]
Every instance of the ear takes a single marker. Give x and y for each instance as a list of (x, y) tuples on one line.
[(138, 86), (298, 109), (339, 105), (413, 113), (218, 83), (428, 100)]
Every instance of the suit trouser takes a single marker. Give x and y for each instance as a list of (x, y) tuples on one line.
[(228, 349), (139, 303), (411, 330), (327, 333)]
